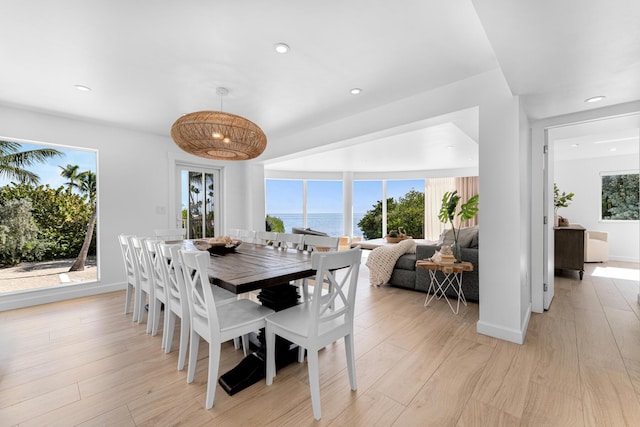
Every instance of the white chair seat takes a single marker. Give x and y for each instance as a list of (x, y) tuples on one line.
[(294, 322), (237, 318)]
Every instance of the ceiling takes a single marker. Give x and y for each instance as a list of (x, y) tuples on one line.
[(618, 136), (148, 63)]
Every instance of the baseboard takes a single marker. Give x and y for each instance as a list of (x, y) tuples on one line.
[(623, 259), (507, 334), (59, 293)]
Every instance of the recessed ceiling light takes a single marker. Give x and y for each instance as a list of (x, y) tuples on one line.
[(595, 98), (612, 149), (282, 48), (356, 91), (574, 145), (83, 88), (450, 147)]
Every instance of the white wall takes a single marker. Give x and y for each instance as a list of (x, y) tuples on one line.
[(525, 216), (582, 177), (133, 180)]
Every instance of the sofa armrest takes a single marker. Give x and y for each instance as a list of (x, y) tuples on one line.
[(426, 251)]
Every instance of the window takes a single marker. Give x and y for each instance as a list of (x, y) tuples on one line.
[(324, 207), (366, 196), (620, 196), (407, 208), (285, 200), (47, 208), (401, 200), (306, 204)]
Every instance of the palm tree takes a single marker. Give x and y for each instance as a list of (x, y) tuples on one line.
[(87, 187), (70, 172), (13, 162)]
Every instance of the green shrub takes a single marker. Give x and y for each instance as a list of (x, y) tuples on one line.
[(275, 224), (61, 219), (18, 233), (407, 212)]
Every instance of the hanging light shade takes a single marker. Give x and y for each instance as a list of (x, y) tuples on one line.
[(218, 135)]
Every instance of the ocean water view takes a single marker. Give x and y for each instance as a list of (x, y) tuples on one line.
[(330, 223)]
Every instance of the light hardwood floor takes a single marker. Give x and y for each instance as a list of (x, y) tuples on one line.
[(83, 362)]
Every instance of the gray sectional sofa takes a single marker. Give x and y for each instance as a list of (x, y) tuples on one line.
[(405, 274)]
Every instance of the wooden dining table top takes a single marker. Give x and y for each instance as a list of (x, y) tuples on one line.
[(251, 266)]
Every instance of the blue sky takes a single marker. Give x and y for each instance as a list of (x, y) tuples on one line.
[(285, 196), (49, 172)]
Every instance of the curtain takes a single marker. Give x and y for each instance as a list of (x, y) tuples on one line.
[(467, 187), (434, 190)]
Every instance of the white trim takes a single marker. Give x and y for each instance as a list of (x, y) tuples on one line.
[(500, 332), (58, 293), (178, 163)]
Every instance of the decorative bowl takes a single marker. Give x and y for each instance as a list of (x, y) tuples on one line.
[(220, 248)]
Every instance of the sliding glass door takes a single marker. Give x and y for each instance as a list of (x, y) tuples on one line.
[(199, 195)]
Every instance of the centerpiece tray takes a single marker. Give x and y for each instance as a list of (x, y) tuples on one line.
[(217, 245)]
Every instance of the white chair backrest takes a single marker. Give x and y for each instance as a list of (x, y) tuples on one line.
[(202, 306), (340, 270), (290, 241), (141, 261), (127, 256), (247, 236), (176, 290), (266, 237), (170, 234), (320, 243), (157, 273)]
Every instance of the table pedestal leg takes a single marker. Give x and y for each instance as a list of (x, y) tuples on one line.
[(253, 367)]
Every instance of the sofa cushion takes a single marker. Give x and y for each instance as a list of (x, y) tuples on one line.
[(406, 262), (466, 237)]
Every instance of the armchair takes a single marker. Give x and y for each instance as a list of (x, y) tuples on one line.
[(596, 246)]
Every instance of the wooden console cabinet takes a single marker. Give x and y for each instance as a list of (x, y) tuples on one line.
[(569, 248)]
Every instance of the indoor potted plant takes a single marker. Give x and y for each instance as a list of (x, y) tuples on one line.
[(468, 210), (396, 236), (560, 200)]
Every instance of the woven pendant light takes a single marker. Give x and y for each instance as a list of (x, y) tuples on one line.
[(218, 135)]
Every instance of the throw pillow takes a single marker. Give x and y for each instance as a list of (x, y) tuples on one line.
[(466, 237)]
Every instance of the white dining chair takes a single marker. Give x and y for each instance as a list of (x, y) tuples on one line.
[(266, 237), (214, 323), (170, 234), (145, 288), (321, 320), (290, 241), (178, 304), (313, 243), (247, 236), (159, 295), (132, 279)]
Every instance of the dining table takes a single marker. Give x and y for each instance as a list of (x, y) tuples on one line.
[(271, 270)]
